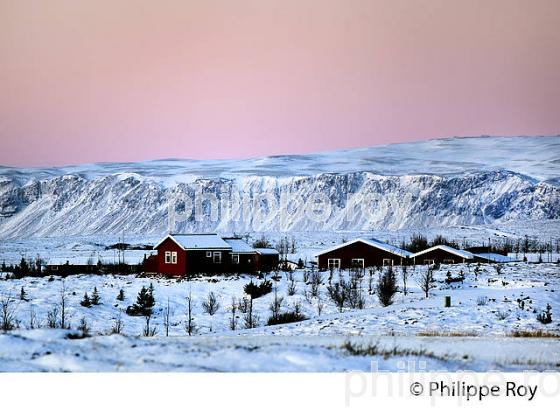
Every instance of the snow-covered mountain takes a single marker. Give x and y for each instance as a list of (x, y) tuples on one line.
[(432, 183)]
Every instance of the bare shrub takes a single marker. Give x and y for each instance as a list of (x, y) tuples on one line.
[(316, 282), (243, 304), (84, 327), (502, 314), (63, 301), (404, 276), (211, 306), (338, 294), (118, 326), (33, 323), (233, 317), (482, 301), (148, 330), (276, 305), (355, 296), (52, 317), (320, 304), (426, 281), (251, 320), (190, 327), (166, 318), (7, 314), (291, 284), (371, 271)]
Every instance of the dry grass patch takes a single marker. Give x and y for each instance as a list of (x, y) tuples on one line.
[(534, 333), (376, 350), (455, 333)]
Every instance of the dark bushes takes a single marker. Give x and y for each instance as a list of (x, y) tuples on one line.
[(288, 317), (256, 291)]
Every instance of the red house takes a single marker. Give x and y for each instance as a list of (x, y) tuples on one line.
[(184, 254), (361, 253)]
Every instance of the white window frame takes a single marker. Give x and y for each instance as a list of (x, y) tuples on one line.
[(361, 261), (388, 262), (429, 261), (235, 258), (208, 254), (333, 263), (170, 258), (217, 257), (448, 261)]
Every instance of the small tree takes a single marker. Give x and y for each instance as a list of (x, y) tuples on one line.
[(404, 276), (387, 287), (276, 304), (120, 296), (256, 291), (23, 294), (33, 323), (166, 318), (291, 284), (371, 271), (320, 304), (251, 320), (63, 301), (426, 281), (189, 324), (95, 299), (338, 294), (148, 330), (145, 302), (233, 317), (262, 242), (86, 301), (316, 282)]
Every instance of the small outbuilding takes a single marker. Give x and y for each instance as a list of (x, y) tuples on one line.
[(267, 259), (361, 253), (442, 254)]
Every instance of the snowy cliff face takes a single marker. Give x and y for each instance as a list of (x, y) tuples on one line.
[(138, 198)]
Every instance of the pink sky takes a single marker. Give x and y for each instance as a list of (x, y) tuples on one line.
[(125, 80)]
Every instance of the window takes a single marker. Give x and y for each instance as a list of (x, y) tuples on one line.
[(387, 262), (208, 254), (235, 258), (448, 261), (217, 257), (170, 257), (358, 263), (333, 263), (429, 262)]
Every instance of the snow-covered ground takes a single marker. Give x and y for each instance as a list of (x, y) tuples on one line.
[(486, 309)]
